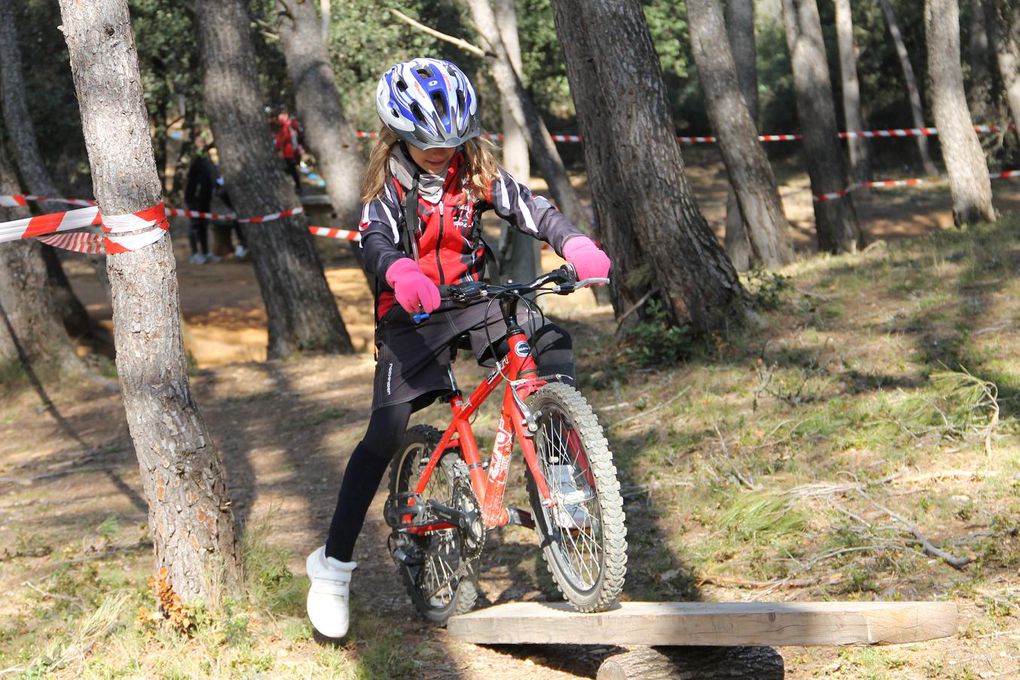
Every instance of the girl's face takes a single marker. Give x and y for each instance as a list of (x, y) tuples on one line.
[(433, 161)]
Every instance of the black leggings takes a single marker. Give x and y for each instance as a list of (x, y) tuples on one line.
[(371, 457)]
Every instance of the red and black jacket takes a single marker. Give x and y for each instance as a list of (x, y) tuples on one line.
[(450, 247)]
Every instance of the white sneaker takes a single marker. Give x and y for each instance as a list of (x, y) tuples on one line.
[(240, 251), (329, 595), (212, 258), (197, 258)]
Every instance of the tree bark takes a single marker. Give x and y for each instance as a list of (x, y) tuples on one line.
[(519, 254), (1005, 36), (30, 330), (961, 150), (302, 313), (835, 221), (648, 219), (980, 93), (694, 663), (745, 159), (520, 106), (860, 164), (910, 81), (329, 135), (182, 472), (740, 32), (21, 133)]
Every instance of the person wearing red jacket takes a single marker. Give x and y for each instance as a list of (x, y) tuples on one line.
[(287, 142), (431, 161)]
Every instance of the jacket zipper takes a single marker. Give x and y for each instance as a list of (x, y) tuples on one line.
[(439, 246)]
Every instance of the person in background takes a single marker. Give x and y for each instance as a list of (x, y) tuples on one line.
[(287, 141), (241, 250), (198, 193)]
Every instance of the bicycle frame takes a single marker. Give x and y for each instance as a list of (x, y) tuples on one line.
[(519, 370)]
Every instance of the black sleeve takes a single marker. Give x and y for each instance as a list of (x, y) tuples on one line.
[(530, 214), (381, 233)]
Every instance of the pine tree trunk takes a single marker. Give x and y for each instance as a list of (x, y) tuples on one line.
[(21, 133), (740, 33), (302, 313), (913, 91), (648, 219), (516, 99), (835, 221), (860, 164), (961, 150), (30, 330), (1005, 36), (518, 253), (748, 166), (182, 472), (329, 135), (979, 91)]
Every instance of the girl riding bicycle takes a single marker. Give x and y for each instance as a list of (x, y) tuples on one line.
[(431, 165)]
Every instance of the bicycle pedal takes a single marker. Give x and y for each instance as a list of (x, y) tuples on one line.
[(395, 511), (520, 517)]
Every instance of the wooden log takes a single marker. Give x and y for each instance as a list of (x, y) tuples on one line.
[(694, 663), (729, 624)]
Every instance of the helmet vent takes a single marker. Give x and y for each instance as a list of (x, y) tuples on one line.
[(460, 100), (418, 113), (439, 102)]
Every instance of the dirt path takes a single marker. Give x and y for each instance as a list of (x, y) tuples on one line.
[(286, 429)]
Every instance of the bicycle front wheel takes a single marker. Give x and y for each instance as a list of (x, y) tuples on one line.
[(582, 530)]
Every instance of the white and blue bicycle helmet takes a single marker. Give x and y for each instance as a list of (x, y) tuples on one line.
[(428, 103)]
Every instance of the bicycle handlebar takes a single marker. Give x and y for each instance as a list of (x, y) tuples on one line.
[(466, 294)]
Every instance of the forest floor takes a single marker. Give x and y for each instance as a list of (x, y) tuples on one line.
[(774, 465)]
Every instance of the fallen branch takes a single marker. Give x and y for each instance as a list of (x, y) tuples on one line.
[(636, 306), (927, 546), (55, 596), (651, 410)]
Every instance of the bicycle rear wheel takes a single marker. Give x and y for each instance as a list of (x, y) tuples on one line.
[(438, 576), (583, 533)]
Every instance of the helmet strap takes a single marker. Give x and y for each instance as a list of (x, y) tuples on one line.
[(411, 218)]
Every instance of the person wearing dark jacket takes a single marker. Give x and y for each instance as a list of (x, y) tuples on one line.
[(198, 194)]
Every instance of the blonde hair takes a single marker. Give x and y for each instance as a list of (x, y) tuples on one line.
[(479, 167)]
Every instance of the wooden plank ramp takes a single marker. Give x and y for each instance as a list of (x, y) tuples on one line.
[(726, 624)]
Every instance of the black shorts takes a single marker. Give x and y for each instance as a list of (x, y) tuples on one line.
[(414, 360)]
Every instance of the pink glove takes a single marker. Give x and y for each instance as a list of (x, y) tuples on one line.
[(414, 291), (587, 258)]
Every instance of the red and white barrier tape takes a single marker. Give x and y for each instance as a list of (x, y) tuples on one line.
[(774, 137), (333, 232), (16, 200), (121, 233), (41, 225), (914, 181)]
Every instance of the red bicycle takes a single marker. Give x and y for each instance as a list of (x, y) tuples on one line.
[(443, 497)]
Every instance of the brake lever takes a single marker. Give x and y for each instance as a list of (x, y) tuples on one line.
[(565, 288)]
